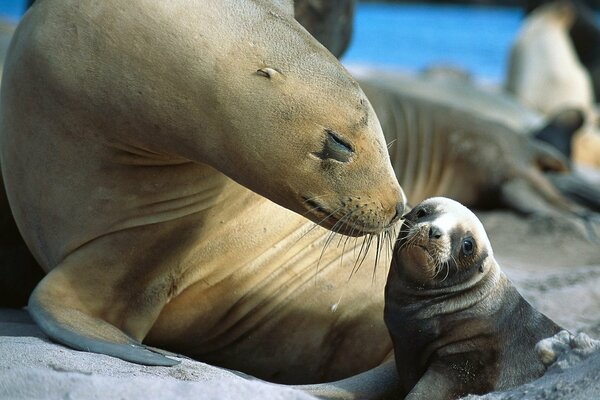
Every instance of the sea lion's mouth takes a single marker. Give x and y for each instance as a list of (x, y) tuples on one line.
[(338, 220)]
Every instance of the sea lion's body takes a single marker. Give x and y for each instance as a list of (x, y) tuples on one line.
[(546, 74), (458, 325), (474, 150), (123, 183), (544, 70), (480, 147)]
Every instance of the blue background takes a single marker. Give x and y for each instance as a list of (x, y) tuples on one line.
[(414, 36)]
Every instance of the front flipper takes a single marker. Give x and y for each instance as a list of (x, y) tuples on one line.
[(434, 385), (59, 315), (559, 131), (380, 382), (577, 189)]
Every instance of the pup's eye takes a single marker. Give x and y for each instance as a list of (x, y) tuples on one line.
[(421, 212), (336, 148), (468, 246)]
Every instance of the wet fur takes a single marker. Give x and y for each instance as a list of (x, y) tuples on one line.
[(467, 332)]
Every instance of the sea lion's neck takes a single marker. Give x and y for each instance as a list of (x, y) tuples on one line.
[(431, 302)]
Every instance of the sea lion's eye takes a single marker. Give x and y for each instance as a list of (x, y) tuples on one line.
[(421, 212), (336, 148), (468, 246), (267, 72)]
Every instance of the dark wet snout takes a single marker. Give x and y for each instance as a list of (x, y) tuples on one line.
[(400, 207), (434, 232)]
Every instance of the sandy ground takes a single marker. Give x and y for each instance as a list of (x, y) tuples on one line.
[(551, 261)]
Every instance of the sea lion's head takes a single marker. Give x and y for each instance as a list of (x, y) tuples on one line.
[(302, 132), (441, 244)]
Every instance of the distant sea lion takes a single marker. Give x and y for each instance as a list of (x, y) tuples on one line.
[(469, 123), (585, 36), (463, 149), (546, 74), (458, 325)]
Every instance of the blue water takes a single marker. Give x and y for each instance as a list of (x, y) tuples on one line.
[(414, 36), (11, 9)]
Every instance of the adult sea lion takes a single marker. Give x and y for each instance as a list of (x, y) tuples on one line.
[(421, 116), (584, 34), (443, 147), (132, 185), (546, 74), (458, 325), (544, 71)]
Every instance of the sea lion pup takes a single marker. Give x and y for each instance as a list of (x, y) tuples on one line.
[(158, 159), (458, 325)]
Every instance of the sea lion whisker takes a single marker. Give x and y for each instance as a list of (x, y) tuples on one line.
[(362, 247), (310, 199), (377, 255), (360, 261), (344, 220), (455, 262), (327, 241), (447, 268), (333, 232), (330, 235), (411, 240), (388, 248), (315, 225), (391, 143)]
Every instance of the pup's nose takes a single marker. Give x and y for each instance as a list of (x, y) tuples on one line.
[(434, 232)]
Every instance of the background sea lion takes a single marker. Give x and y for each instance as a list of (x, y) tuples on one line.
[(402, 102), (467, 150), (584, 34), (546, 74), (543, 59), (457, 323)]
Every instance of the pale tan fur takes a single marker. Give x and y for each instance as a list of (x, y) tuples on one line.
[(546, 74), (544, 71), (135, 138)]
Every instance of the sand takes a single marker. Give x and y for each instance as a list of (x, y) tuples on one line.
[(551, 261)]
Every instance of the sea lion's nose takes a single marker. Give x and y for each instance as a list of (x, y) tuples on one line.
[(434, 232), (399, 211)]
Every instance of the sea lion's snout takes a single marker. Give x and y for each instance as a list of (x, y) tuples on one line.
[(400, 207), (434, 232)]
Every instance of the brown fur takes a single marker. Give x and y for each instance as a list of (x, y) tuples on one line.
[(135, 151), (464, 329)]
